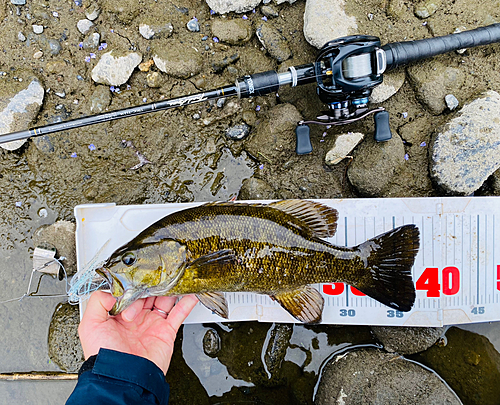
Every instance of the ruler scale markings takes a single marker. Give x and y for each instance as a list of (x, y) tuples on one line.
[(477, 258)]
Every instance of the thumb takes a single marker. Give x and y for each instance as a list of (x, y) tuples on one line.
[(100, 303)]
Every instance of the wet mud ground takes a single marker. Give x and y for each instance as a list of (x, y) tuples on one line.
[(193, 161)]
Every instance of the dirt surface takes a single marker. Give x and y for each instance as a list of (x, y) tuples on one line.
[(191, 158)]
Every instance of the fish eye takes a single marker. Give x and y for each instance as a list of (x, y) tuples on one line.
[(128, 258)]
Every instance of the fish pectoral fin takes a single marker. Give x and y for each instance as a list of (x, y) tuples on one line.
[(216, 302), (305, 303), (213, 261), (321, 219)]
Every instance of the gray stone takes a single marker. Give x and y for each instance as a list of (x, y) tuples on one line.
[(370, 376), (432, 81), (37, 29), (84, 25), (18, 2), (115, 68), (176, 59), (91, 41), (277, 344), (62, 236), (234, 32), (374, 164), (275, 44), (193, 25), (269, 12), (451, 101), (256, 189), (325, 20), (92, 12), (20, 102), (238, 132), (466, 150), (44, 144), (238, 6), (21, 37), (393, 81), (344, 144), (64, 346), (153, 29), (54, 46), (211, 342), (407, 340), (100, 99), (427, 8)]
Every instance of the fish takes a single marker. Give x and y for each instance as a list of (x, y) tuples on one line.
[(277, 249)]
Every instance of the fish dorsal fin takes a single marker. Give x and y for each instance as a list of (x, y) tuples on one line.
[(216, 302), (321, 219), (305, 303)]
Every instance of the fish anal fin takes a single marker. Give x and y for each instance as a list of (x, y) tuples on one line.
[(320, 218), (206, 265), (305, 303), (215, 302)]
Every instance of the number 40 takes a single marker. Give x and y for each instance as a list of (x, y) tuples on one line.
[(429, 280)]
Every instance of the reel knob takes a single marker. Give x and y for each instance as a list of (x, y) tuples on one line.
[(382, 128), (304, 146)]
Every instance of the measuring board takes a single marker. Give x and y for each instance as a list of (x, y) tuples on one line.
[(456, 271)]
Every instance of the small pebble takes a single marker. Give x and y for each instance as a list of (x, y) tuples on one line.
[(205, 38), (221, 102), (196, 116), (38, 55), (61, 94), (193, 25), (84, 25), (37, 29), (21, 37), (18, 2), (451, 101), (43, 213)]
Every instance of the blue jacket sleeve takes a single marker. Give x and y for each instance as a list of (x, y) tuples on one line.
[(120, 379)]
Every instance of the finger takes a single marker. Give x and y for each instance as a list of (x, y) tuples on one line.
[(98, 306), (150, 302), (129, 314), (181, 310), (164, 303)]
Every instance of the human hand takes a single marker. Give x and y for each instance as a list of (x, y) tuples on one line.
[(137, 330)]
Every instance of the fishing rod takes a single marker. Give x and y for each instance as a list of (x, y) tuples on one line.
[(346, 70)]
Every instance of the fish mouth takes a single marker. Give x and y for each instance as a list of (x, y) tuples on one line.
[(124, 296)]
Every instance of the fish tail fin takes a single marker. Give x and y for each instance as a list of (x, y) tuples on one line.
[(389, 259)]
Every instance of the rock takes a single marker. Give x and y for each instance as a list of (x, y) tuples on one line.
[(269, 12), (427, 8), (92, 12), (238, 132), (37, 29), (91, 41), (211, 343), (432, 81), (234, 32), (238, 6), (54, 46), (275, 135), (451, 102), (256, 189), (326, 20), (64, 346), (62, 236), (100, 99), (277, 344), (407, 340), (20, 102), (115, 68), (374, 164), (84, 25), (465, 151), (469, 364), (18, 2), (155, 30), (397, 8), (344, 144), (21, 37), (393, 81), (154, 79), (175, 59), (370, 376), (274, 42), (219, 66), (193, 25)]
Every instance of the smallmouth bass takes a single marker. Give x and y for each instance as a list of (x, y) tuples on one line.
[(275, 249)]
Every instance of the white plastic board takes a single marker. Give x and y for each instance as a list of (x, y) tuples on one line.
[(457, 269)]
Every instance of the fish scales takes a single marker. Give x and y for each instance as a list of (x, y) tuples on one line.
[(275, 249)]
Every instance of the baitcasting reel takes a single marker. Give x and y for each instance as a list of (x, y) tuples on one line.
[(346, 70)]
